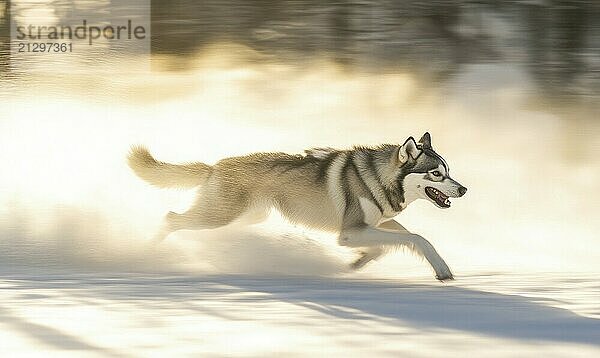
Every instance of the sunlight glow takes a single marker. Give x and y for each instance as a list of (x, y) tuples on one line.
[(69, 154)]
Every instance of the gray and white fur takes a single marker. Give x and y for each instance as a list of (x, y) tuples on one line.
[(355, 193)]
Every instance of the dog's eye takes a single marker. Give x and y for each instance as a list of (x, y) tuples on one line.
[(436, 173)]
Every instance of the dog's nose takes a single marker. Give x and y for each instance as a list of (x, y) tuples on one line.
[(462, 190)]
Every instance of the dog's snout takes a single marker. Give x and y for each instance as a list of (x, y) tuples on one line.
[(462, 190)]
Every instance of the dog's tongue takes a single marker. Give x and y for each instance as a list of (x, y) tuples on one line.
[(443, 199)]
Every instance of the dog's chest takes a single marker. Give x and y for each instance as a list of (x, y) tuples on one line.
[(372, 215)]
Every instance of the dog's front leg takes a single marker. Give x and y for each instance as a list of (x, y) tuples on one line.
[(424, 248), (367, 254), (394, 234)]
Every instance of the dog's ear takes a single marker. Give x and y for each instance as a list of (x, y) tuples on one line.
[(425, 141), (408, 150)]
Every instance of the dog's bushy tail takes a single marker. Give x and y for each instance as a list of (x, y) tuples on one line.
[(166, 175)]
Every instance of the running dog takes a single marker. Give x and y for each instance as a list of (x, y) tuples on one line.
[(355, 193)]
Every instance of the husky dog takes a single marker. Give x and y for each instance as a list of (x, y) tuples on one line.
[(355, 193)]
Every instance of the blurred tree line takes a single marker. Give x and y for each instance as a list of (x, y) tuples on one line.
[(557, 41)]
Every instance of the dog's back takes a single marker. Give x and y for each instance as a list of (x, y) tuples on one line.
[(245, 188)]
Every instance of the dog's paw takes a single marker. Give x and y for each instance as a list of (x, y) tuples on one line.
[(370, 255), (361, 261), (444, 274), (358, 264), (445, 277)]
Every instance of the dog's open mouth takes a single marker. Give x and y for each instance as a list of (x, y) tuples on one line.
[(440, 198)]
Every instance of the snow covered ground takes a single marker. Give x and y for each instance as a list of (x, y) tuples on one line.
[(137, 315)]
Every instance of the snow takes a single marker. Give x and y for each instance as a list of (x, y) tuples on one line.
[(250, 315), (79, 278)]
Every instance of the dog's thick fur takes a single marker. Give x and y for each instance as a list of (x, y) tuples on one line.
[(355, 193)]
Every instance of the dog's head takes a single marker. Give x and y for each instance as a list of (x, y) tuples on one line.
[(424, 174)]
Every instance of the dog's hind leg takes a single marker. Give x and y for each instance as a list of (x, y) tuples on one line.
[(197, 220), (211, 210), (194, 220)]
